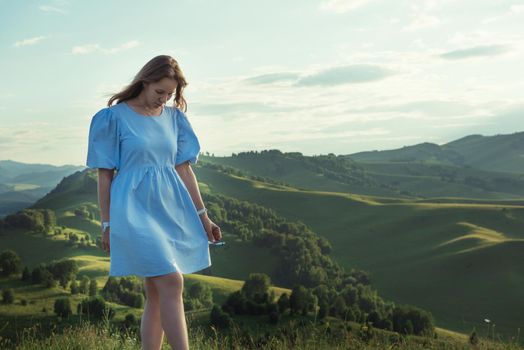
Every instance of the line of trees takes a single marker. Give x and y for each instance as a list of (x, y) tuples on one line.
[(124, 290), (255, 298), (303, 264), (37, 220)]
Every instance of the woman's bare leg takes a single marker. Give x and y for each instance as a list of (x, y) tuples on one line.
[(170, 288), (151, 330)]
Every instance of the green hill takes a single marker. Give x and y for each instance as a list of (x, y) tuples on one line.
[(458, 260), (426, 152), (22, 184), (402, 179), (499, 153), (503, 153)]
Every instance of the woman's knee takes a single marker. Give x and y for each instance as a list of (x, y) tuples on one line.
[(169, 283), (151, 290)]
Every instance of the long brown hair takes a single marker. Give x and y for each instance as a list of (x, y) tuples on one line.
[(159, 67)]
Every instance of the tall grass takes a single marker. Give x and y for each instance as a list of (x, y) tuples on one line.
[(309, 336)]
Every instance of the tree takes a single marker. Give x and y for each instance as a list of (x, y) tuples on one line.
[(74, 287), (201, 293), (130, 321), (323, 309), (409, 319), (84, 285), (256, 286), (473, 338), (63, 270), (47, 279), (274, 316), (298, 299), (93, 288), (49, 218), (26, 275), (96, 307), (219, 318), (63, 307), (283, 302), (339, 307), (37, 274), (8, 296), (9, 262)]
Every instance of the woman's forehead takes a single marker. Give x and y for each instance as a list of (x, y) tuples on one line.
[(166, 84)]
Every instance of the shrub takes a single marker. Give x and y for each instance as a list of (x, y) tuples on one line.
[(130, 321), (96, 307), (26, 275), (8, 296), (220, 318), (9, 262), (63, 307), (93, 288)]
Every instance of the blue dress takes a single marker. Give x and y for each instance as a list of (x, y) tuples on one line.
[(155, 227)]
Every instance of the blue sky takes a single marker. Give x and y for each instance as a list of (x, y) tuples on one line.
[(314, 76)]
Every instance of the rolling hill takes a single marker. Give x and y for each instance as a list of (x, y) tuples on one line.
[(22, 184), (432, 230), (499, 153), (406, 179), (460, 259)]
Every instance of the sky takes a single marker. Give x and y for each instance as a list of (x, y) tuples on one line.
[(309, 76)]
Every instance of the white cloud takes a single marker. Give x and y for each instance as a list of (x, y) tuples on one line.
[(422, 21), (89, 48), (85, 49), (30, 41), (341, 6), (46, 8), (517, 8)]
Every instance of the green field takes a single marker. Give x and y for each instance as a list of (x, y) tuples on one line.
[(461, 261), (459, 258)]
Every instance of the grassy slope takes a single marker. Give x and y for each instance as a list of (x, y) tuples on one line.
[(425, 179), (34, 249), (492, 153), (418, 179), (461, 261), (293, 171), (400, 243), (499, 152)]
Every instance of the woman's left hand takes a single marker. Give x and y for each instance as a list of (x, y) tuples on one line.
[(212, 229)]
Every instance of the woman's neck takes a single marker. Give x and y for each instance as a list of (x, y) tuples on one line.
[(140, 103)]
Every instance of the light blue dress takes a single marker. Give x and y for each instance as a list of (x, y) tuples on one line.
[(155, 227)]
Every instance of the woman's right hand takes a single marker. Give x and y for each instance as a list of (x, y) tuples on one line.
[(105, 240)]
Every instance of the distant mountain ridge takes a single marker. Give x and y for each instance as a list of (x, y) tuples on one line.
[(21, 184), (500, 153), (470, 167), (475, 166)]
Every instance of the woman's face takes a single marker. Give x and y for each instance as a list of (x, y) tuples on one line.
[(158, 93)]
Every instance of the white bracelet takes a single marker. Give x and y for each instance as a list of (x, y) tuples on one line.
[(202, 211), (105, 224)]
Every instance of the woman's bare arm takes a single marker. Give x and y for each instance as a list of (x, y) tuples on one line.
[(105, 178), (187, 175)]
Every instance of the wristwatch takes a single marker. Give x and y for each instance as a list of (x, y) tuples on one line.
[(105, 224), (202, 211)]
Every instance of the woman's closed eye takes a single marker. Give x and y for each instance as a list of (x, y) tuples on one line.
[(160, 92)]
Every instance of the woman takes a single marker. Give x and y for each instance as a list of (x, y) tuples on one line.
[(154, 223)]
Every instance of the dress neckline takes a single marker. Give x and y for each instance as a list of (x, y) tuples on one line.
[(145, 116)]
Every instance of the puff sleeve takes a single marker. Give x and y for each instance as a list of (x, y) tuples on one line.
[(187, 142), (104, 144)]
